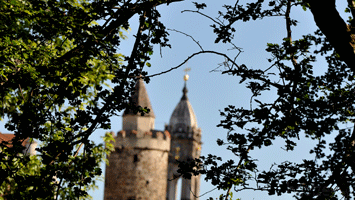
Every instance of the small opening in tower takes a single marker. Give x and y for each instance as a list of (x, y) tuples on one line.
[(135, 158)]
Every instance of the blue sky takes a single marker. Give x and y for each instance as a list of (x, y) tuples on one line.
[(209, 91)]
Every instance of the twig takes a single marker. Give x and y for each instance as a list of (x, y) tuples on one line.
[(21, 91), (239, 163), (187, 36), (207, 192), (215, 21), (188, 58), (77, 151)]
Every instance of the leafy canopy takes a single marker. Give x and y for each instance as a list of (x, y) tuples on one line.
[(56, 57), (307, 105)]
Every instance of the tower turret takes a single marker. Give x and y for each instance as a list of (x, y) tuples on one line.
[(185, 145), (134, 121)]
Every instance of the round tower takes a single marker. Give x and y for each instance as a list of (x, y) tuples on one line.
[(138, 167), (185, 145)]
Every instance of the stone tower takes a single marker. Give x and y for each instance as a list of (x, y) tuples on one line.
[(185, 144), (138, 167)]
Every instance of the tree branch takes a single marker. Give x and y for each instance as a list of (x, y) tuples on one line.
[(289, 34), (109, 32), (191, 56), (187, 36), (215, 21), (328, 19), (129, 68), (239, 163), (292, 53)]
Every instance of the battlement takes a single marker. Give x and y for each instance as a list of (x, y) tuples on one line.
[(163, 135), (150, 140)]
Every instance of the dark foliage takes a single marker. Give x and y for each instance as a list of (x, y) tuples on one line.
[(307, 105)]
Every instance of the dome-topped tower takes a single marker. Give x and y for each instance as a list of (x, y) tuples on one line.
[(185, 145)]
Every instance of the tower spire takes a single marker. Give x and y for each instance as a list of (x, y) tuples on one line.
[(184, 90), (135, 121), (140, 98)]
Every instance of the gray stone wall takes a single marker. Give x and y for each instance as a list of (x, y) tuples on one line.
[(138, 168), (139, 123)]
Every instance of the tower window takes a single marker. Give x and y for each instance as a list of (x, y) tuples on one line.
[(135, 158), (118, 150)]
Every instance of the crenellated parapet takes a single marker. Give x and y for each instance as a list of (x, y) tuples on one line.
[(139, 166), (150, 140)]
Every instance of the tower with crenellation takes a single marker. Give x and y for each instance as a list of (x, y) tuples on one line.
[(144, 163)]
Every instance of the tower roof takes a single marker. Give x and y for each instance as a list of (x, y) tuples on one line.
[(183, 114), (7, 137), (140, 98)]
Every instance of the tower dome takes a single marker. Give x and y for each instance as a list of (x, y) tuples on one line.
[(183, 116), (183, 121)]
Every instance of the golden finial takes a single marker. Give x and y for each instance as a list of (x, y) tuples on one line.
[(186, 77)]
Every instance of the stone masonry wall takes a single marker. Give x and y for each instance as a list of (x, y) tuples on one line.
[(137, 169)]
